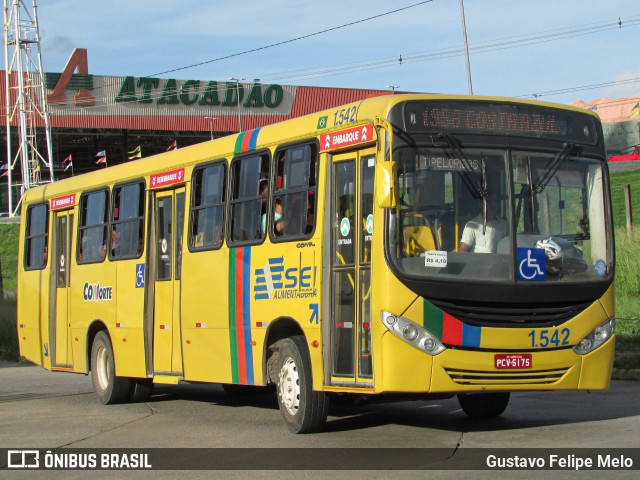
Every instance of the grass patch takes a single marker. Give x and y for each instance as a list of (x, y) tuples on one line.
[(9, 255), (8, 329)]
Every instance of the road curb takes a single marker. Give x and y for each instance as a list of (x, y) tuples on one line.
[(625, 374)]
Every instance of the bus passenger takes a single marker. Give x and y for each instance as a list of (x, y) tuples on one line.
[(474, 240), (278, 217)]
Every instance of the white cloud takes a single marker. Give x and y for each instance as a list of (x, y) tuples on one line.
[(626, 89)]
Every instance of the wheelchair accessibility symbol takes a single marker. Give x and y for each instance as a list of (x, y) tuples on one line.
[(140, 275), (532, 264)]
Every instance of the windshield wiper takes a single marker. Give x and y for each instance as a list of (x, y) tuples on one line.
[(550, 169), (476, 184)]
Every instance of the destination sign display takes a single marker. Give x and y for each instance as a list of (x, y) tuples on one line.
[(487, 118)]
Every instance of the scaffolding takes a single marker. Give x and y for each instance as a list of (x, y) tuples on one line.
[(25, 103)]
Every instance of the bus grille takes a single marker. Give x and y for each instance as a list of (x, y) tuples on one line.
[(506, 378), (506, 315)]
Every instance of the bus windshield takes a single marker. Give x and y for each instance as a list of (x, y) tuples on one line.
[(476, 214)]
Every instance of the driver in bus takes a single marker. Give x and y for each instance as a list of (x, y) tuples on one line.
[(477, 238)]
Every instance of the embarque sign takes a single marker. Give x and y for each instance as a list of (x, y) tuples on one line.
[(348, 137)]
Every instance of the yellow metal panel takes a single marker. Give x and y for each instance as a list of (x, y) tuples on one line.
[(127, 332), (404, 368), (608, 301), (166, 379), (596, 367), (31, 340), (551, 370), (205, 317), (569, 333)]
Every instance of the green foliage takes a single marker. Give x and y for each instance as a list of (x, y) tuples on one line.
[(9, 255), (8, 329), (618, 181), (8, 269)]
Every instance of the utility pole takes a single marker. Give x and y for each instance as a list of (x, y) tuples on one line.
[(238, 80), (25, 97), (466, 48)]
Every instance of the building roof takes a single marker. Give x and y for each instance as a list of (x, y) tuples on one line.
[(613, 110)]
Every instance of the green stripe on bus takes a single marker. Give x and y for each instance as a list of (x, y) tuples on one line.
[(433, 319), (238, 148), (232, 316)]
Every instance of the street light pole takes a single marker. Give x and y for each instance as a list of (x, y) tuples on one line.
[(238, 80), (393, 87), (466, 48), (211, 120)]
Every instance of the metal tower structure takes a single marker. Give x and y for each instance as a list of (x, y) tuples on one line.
[(25, 99)]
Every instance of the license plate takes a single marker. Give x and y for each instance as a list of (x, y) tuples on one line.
[(516, 361)]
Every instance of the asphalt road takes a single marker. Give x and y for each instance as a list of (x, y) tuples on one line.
[(41, 409)]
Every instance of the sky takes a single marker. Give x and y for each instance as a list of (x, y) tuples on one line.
[(554, 50)]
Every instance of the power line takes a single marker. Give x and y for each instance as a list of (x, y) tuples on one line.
[(583, 87), (454, 51), (446, 52), (291, 40)]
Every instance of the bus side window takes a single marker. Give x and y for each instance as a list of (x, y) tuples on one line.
[(36, 236), (294, 202), (127, 223), (92, 231), (245, 223), (207, 207)]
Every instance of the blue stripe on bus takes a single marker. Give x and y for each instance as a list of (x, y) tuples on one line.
[(471, 335), (254, 139)]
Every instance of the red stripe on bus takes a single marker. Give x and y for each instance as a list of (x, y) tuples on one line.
[(452, 330), (246, 141), (240, 333)]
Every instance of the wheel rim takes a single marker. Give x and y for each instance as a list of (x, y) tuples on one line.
[(289, 386), (102, 370)]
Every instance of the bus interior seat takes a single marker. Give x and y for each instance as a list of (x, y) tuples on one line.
[(418, 239), (447, 231)]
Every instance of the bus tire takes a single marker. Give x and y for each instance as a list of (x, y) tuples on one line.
[(109, 388), (303, 409), (484, 405)]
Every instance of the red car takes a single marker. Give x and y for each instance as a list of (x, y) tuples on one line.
[(625, 158)]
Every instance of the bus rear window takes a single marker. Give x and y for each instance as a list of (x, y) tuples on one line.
[(36, 237)]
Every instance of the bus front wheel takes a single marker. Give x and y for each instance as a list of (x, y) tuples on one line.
[(303, 409), (484, 405), (108, 387)]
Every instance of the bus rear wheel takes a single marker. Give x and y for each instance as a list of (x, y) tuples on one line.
[(484, 405), (303, 409), (109, 388)]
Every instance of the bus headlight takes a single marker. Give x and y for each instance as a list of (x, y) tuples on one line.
[(597, 337), (413, 334)]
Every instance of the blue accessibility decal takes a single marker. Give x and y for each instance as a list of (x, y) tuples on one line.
[(532, 264)]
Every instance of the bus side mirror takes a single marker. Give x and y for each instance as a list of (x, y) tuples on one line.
[(385, 191)]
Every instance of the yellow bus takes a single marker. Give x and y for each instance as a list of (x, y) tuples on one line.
[(422, 245)]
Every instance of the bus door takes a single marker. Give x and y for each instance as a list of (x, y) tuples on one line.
[(59, 332), (169, 221), (351, 231)]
